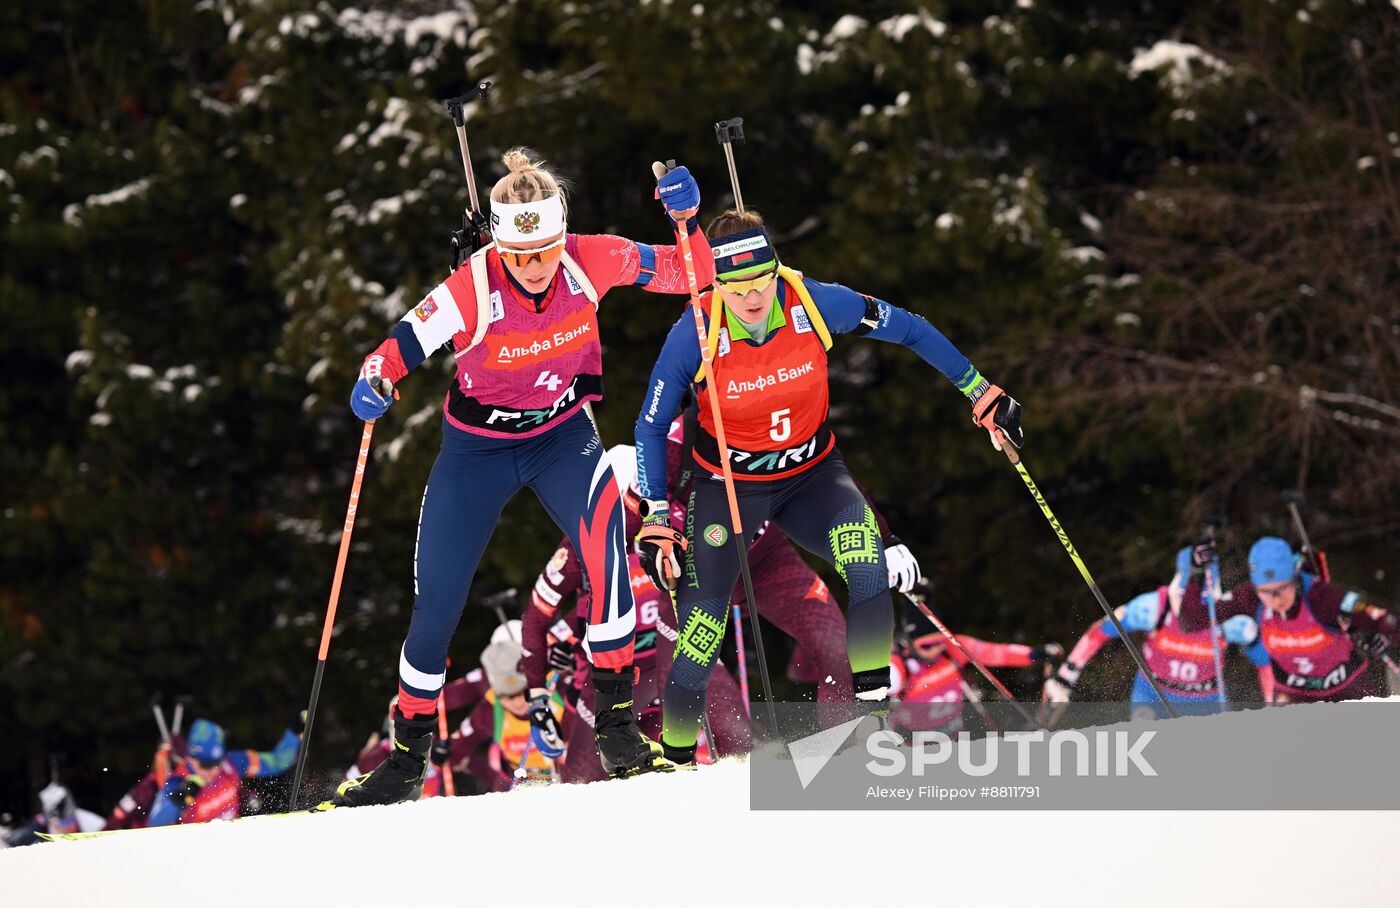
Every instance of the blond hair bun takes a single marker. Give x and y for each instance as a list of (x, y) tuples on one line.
[(516, 160), (527, 180)]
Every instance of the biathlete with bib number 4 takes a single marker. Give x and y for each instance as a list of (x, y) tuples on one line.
[(521, 318), (770, 328)]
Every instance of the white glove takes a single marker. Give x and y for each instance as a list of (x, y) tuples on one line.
[(904, 568), (1055, 691), (1057, 688)]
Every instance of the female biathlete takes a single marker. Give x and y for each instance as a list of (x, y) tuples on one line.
[(770, 328), (1321, 638), (1182, 662), (520, 316)]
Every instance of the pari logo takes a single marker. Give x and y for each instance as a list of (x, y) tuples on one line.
[(1069, 752)]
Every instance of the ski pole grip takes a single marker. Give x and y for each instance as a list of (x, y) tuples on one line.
[(1293, 496), (383, 387), (730, 131), (500, 600), (455, 105)]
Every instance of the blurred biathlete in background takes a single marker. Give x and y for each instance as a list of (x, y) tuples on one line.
[(1182, 662), (59, 815), (926, 674), (206, 785), (521, 318), (494, 741), (1321, 638), (770, 328), (553, 640)]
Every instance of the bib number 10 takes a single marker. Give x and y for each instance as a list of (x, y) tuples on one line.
[(782, 425)]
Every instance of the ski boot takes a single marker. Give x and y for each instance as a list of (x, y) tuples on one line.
[(623, 749), (400, 777)]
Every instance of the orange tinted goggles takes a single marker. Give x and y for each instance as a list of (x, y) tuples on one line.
[(519, 258)]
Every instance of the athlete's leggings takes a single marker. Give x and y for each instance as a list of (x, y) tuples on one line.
[(821, 510), (472, 480)]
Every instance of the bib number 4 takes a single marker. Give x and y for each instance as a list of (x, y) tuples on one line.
[(549, 380)]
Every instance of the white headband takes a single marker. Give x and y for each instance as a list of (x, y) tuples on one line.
[(527, 222)]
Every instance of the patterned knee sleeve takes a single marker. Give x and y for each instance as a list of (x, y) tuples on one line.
[(857, 553), (700, 637)]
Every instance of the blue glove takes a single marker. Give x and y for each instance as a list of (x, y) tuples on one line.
[(1140, 614), (368, 403), (1240, 630), (679, 192), (1192, 561), (545, 733), (1183, 565)]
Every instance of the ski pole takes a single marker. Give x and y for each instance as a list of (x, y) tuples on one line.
[(708, 368), (520, 771), (383, 387), (160, 720), (449, 786), (742, 660), (730, 132), (1015, 458), (475, 232), (918, 600), (178, 722), (1293, 499), (1211, 580), (497, 602)]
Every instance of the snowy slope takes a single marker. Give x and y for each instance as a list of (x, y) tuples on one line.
[(535, 847)]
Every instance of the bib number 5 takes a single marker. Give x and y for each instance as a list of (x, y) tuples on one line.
[(782, 425)]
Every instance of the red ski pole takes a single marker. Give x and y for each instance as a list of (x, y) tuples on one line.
[(449, 787), (385, 387), (1006, 694), (741, 541)]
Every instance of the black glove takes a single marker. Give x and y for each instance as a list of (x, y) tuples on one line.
[(1052, 653), (1374, 643), (1191, 561), (560, 655), (999, 413), (188, 791), (440, 752)]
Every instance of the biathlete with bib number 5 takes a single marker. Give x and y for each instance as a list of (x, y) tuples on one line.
[(521, 318), (770, 328)]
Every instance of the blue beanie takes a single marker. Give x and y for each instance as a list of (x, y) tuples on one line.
[(206, 741), (1271, 560), (743, 255)]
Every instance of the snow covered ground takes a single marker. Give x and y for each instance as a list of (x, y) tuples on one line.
[(689, 839)]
